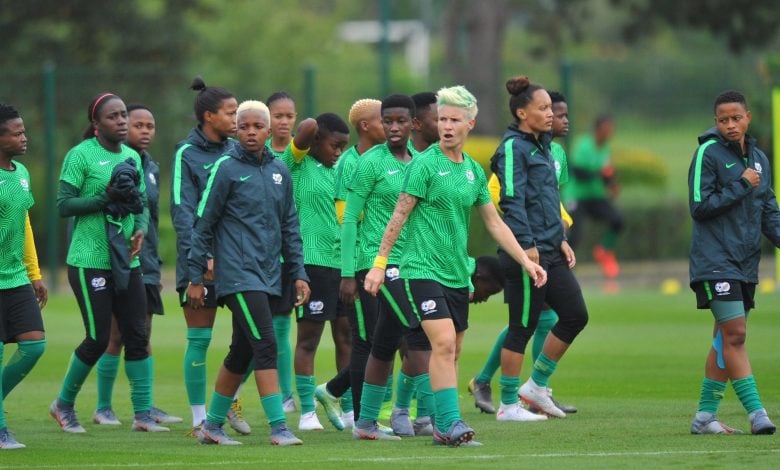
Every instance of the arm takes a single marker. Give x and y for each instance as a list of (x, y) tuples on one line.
[(292, 247), (504, 237), (70, 203), (184, 200), (31, 263), (770, 214), (404, 206), (354, 206), (141, 221), (301, 143), (707, 199), (513, 178)]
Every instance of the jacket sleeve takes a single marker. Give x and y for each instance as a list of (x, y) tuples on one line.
[(707, 199), (141, 220), (184, 199), (510, 167), (770, 213), (292, 244), (208, 214)]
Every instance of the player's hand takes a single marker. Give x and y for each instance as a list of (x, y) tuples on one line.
[(348, 291), (136, 241), (752, 177), (209, 274), (196, 295), (533, 254), (302, 292), (374, 280), (537, 273), (568, 253), (41, 292)]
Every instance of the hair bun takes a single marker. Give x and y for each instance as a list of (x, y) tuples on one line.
[(198, 84), (517, 85)]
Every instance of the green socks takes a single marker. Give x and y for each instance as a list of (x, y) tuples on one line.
[(346, 401), (107, 367), (74, 378), (140, 384), (447, 409), (509, 386), (305, 386), (389, 389), (494, 359), (218, 409), (283, 353), (21, 363), (547, 320), (747, 392), (426, 402), (371, 402), (712, 393), (543, 369), (198, 340), (404, 391), (272, 405)]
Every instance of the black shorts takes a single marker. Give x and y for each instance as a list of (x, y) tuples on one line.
[(284, 304), (154, 303), (19, 312), (323, 304), (433, 301), (726, 290), (209, 302)]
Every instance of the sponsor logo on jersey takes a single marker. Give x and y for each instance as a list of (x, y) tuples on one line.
[(392, 273), (722, 288), (444, 173), (758, 167), (428, 307), (392, 172), (316, 307), (470, 176), (277, 177), (25, 184), (98, 283), (104, 163)]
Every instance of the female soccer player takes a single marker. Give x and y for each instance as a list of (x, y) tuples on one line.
[(283, 115), (140, 134), (314, 185), (531, 205), (215, 110), (248, 217), (20, 299), (102, 187), (441, 187)]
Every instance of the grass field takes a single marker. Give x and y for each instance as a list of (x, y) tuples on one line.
[(634, 373)]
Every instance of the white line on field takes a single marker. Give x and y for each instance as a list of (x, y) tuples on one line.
[(443, 456)]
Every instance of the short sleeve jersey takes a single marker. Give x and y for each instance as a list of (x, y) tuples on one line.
[(590, 157), (313, 188), (378, 180), (438, 227), (15, 200), (345, 171), (88, 167)]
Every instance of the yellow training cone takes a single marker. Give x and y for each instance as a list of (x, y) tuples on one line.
[(670, 286), (767, 285)]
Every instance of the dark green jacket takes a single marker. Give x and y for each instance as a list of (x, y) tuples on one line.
[(729, 215), (150, 257), (248, 214), (529, 189), (194, 159)]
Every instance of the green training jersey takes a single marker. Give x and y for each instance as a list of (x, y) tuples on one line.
[(438, 227), (15, 200), (274, 152), (592, 158), (345, 170), (561, 165), (378, 180), (88, 167), (313, 188)]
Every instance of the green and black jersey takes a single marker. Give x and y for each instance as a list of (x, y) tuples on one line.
[(15, 200), (438, 227), (88, 168), (377, 181), (313, 187)]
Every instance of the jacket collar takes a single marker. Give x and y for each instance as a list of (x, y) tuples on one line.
[(261, 158), (198, 138)]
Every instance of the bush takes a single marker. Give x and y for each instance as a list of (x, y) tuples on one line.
[(635, 166)]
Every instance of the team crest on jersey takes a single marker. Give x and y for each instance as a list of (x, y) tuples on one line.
[(470, 176), (428, 306), (316, 307), (758, 167), (277, 177), (25, 184), (722, 288), (392, 274), (152, 179), (98, 283)]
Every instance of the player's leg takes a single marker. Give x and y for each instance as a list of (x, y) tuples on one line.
[(107, 368)]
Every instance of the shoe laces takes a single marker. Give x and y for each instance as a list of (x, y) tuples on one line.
[(237, 409)]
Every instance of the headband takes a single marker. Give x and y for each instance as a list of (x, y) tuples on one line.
[(97, 101)]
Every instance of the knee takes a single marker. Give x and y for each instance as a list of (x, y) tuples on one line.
[(199, 338), (735, 336), (444, 344), (264, 354), (517, 338), (32, 350), (307, 345)]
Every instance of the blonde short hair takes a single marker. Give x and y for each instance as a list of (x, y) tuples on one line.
[(363, 110), (254, 105), (459, 97)]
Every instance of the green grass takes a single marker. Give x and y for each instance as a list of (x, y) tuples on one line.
[(634, 373)]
